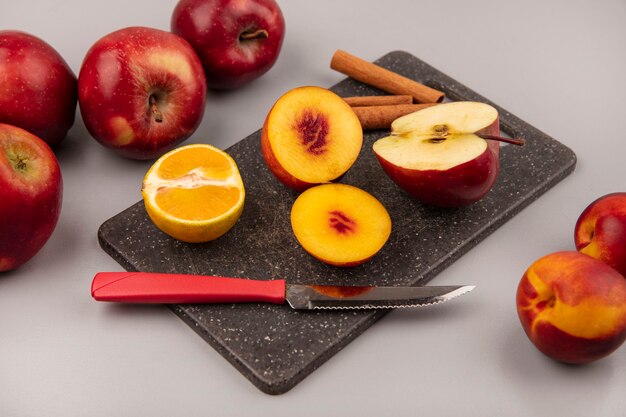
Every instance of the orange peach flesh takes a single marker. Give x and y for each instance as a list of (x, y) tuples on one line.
[(340, 224), (576, 299), (311, 136)]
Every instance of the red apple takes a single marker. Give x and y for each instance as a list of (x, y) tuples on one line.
[(600, 231), (37, 87), (30, 195), (141, 91), (438, 156), (573, 307), (236, 40)]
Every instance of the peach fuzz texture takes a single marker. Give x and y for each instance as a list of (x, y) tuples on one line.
[(573, 307), (600, 231)]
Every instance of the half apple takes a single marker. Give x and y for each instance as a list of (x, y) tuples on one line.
[(438, 156)]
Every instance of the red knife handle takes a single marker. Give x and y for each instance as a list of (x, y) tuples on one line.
[(145, 287)]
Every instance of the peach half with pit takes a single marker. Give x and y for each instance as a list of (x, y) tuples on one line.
[(340, 224), (310, 136), (573, 307)]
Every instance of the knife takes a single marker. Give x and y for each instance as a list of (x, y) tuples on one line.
[(145, 287)]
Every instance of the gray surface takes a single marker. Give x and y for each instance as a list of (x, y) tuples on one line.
[(558, 65), (276, 347)]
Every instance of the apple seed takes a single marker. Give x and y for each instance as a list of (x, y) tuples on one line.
[(436, 140), (441, 130)]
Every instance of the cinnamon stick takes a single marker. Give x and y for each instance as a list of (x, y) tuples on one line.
[(380, 117), (382, 78), (360, 101)]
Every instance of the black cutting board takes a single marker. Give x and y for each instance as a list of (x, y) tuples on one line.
[(276, 347)]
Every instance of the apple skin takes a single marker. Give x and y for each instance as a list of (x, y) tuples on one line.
[(31, 189), (214, 29), (119, 76), (573, 307), (600, 230), (459, 186), (38, 91)]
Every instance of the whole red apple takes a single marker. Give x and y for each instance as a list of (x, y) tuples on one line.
[(141, 91), (236, 40), (573, 307), (30, 195), (37, 87), (601, 230)]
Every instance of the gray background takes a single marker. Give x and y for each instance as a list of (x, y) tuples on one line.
[(558, 65)]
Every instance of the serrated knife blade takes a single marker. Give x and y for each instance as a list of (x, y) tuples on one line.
[(145, 287), (309, 297)]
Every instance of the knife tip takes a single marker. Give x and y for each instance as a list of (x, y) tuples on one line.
[(462, 290)]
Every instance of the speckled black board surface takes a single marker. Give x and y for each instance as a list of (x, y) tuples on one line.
[(276, 347)]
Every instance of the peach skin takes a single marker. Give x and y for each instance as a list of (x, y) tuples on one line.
[(573, 307), (600, 231), (310, 136)]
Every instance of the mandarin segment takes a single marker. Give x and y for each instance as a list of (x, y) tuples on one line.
[(197, 203), (340, 224), (310, 136), (208, 162), (194, 193)]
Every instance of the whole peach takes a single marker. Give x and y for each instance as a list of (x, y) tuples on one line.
[(600, 231), (573, 307)]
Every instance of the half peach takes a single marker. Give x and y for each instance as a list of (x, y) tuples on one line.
[(340, 224), (310, 136)]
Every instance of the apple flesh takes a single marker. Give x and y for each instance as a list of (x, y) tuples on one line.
[(236, 40), (600, 230), (340, 224), (437, 156), (38, 90), (310, 136), (141, 91), (573, 307), (31, 189)]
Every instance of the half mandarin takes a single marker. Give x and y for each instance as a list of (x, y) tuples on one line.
[(194, 193)]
